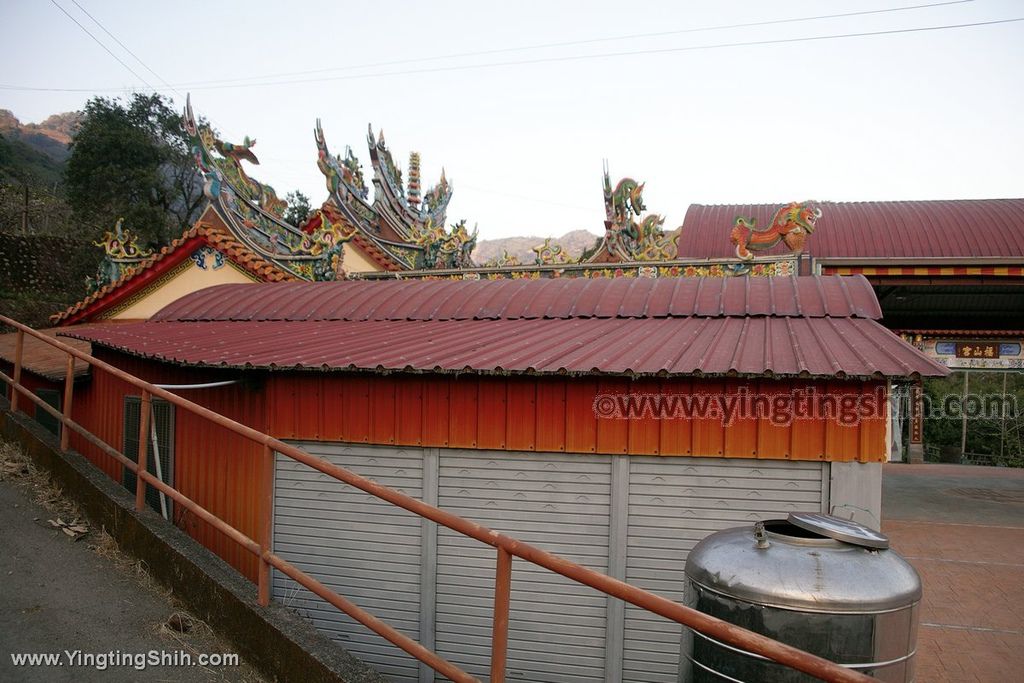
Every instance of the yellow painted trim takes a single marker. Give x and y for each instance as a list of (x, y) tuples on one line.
[(184, 279), (115, 312)]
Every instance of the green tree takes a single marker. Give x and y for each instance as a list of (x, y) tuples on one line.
[(298, 208), (132, 160)]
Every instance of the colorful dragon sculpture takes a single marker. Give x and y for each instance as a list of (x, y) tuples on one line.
[(626, 239), (230, 166), (120, 243), (341, 173), (791, 225), (326, 239), (443, 249), (254, 214), (625, 201)]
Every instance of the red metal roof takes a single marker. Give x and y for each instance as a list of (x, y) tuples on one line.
[(910, 229), (568, 298), (819, 347), (623, 327), (41, 358)]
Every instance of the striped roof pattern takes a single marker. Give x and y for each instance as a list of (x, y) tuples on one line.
[(763, 327), (954, 229)]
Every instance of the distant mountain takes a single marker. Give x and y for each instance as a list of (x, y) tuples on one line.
[(574, 243), (36, 151)]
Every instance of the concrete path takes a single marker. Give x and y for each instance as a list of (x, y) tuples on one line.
[(57, 594), (962, 528)]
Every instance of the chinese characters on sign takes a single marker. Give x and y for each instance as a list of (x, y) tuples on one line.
[(977, 350), (916, 424), (976, 355)]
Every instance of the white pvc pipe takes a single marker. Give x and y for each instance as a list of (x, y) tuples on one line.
[(159, 467), (207, 385)]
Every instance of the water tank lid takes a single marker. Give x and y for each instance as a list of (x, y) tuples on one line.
[(840, 529)]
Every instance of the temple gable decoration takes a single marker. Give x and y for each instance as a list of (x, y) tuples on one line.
[(402, 221), (254, 214), (121, 253)]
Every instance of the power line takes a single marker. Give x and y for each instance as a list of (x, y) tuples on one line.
[(603, 55), (607, 55), (119, 60), (571, 43), (124, 47)]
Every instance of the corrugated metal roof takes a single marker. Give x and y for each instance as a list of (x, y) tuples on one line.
[(907, 229), (819, 347), (43, 359), (570, 298), (812, 327)]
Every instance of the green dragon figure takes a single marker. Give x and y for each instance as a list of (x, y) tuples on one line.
[(340, 172), (625, 239), (230, 165)]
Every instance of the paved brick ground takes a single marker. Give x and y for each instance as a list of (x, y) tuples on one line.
[(963, 530)]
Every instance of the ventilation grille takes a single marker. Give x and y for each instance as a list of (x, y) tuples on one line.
[(163, 418)]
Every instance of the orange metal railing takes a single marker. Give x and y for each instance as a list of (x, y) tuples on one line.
[(506, 546)]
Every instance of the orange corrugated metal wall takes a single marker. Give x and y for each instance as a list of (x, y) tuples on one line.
[(32, 382), (556, 414), (213, 466)]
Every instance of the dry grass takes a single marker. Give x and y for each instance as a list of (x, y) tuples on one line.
[(104, 545), (19, 469)]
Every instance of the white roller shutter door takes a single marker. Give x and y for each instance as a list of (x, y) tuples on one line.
[(558, 502), (385, 558), (361, 547), (673, 504)]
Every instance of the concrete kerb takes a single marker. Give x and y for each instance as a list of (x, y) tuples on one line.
[(274, 640)]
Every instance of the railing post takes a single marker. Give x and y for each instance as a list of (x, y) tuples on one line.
[(266, 507), (145, 408), (499, 632), (69, 389), (19, 347)]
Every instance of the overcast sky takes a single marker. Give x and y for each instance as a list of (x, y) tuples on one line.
[(909, 115)]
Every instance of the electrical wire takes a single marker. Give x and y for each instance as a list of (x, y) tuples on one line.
[(543, 60), (98, 42), (572, 43), (129, 51), (125, 47)]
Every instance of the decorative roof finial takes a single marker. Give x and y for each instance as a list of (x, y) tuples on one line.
[(413, 193)]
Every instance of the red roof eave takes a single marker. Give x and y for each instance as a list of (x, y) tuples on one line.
[(721, 346)]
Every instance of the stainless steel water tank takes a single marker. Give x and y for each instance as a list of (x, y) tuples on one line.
[(825, 585)]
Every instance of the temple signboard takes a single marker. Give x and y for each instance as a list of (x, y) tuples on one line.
[(976, 354)]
